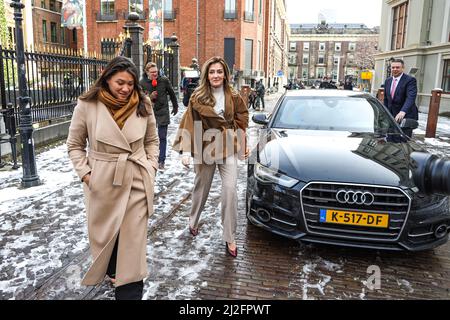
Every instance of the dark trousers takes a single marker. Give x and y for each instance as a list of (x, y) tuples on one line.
[(162, 133), (260, 104), (408, 132), (129, 291)]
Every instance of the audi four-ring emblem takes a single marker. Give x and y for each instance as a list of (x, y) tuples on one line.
[(355, 197)]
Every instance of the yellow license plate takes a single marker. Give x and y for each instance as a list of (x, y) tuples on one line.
[(364, 219)]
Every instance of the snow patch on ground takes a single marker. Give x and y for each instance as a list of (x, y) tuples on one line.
[(316, 275)]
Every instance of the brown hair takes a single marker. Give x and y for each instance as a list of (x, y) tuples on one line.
[(203, 94), (118, 64), (150, 65)]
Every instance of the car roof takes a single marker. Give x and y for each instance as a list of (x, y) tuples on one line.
[(326, 93)]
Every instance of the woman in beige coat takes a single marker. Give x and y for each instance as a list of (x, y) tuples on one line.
[(212, 131), (114, 148)]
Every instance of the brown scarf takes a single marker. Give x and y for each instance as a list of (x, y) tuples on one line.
[(119, 109)]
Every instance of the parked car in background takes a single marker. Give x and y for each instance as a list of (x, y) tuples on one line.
[(189, 82), (332, 166)]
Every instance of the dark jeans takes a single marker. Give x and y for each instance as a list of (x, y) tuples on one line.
[(258, 103), (162, 133), (129, 291)]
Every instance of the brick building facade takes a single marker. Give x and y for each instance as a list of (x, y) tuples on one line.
[(42, 25), (239, 30)]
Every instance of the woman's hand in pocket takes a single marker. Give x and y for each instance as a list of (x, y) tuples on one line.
[(86, 178)]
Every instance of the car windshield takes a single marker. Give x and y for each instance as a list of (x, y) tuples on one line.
[(353, 114)]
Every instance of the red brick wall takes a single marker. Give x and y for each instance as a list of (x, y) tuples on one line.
[(42, 14), (106, 29), (212, 27)]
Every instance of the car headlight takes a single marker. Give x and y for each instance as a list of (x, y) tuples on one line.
[(268, 175)]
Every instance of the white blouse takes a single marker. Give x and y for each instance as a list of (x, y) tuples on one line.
[(219, 95)]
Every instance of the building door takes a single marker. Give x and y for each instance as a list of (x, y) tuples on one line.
[(229, 52)]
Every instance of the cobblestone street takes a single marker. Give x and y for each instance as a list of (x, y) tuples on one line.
[(44, 248)]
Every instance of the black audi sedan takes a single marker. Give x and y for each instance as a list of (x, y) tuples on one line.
[(334, 167)]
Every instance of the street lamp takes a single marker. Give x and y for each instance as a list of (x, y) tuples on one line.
[(30, 177)]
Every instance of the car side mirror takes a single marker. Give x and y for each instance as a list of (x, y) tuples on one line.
[(260, 118), (409, 124)]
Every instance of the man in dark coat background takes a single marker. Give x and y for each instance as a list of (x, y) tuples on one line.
[(400, 92), (260, 92), (157, 88)]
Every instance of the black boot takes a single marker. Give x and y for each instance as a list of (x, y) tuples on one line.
[(130, 291), (111, 271)]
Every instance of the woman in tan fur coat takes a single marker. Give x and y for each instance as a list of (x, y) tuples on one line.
[(213, 132), (114, 148)]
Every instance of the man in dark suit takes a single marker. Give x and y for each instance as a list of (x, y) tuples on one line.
[(400, 92)]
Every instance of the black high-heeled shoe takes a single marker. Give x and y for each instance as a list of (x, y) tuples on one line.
[(232, 253)]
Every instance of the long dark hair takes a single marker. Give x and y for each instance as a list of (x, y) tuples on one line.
[(118, 64)]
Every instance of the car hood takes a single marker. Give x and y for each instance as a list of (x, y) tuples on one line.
[(364, 158)]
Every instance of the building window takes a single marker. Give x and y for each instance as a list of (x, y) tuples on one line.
[(305, 58), (249, 14), (260, 12), (305, 73), (53, 36), (322, 46), (230, 9), (43, 5), (336, 61), (352, 46), (107, 7), (229, 52), (52, 5), (321, 59), (63, 35), (351, 59), (137, 6), (44, 30), (292, 46), (74, 35), (320, 73), (169, 13), (248, 54), (337, 46), (293, 59), (292, 74), (446, 77), (399, 18), (305, 46), (334, 75), (259, 55)]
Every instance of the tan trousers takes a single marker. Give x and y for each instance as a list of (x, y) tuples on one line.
[(204, 174)]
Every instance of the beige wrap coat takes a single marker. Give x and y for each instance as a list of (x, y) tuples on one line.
[(119, 198)]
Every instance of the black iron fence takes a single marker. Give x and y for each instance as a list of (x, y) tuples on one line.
[(55, 80), (111, 48), (164, 59)]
